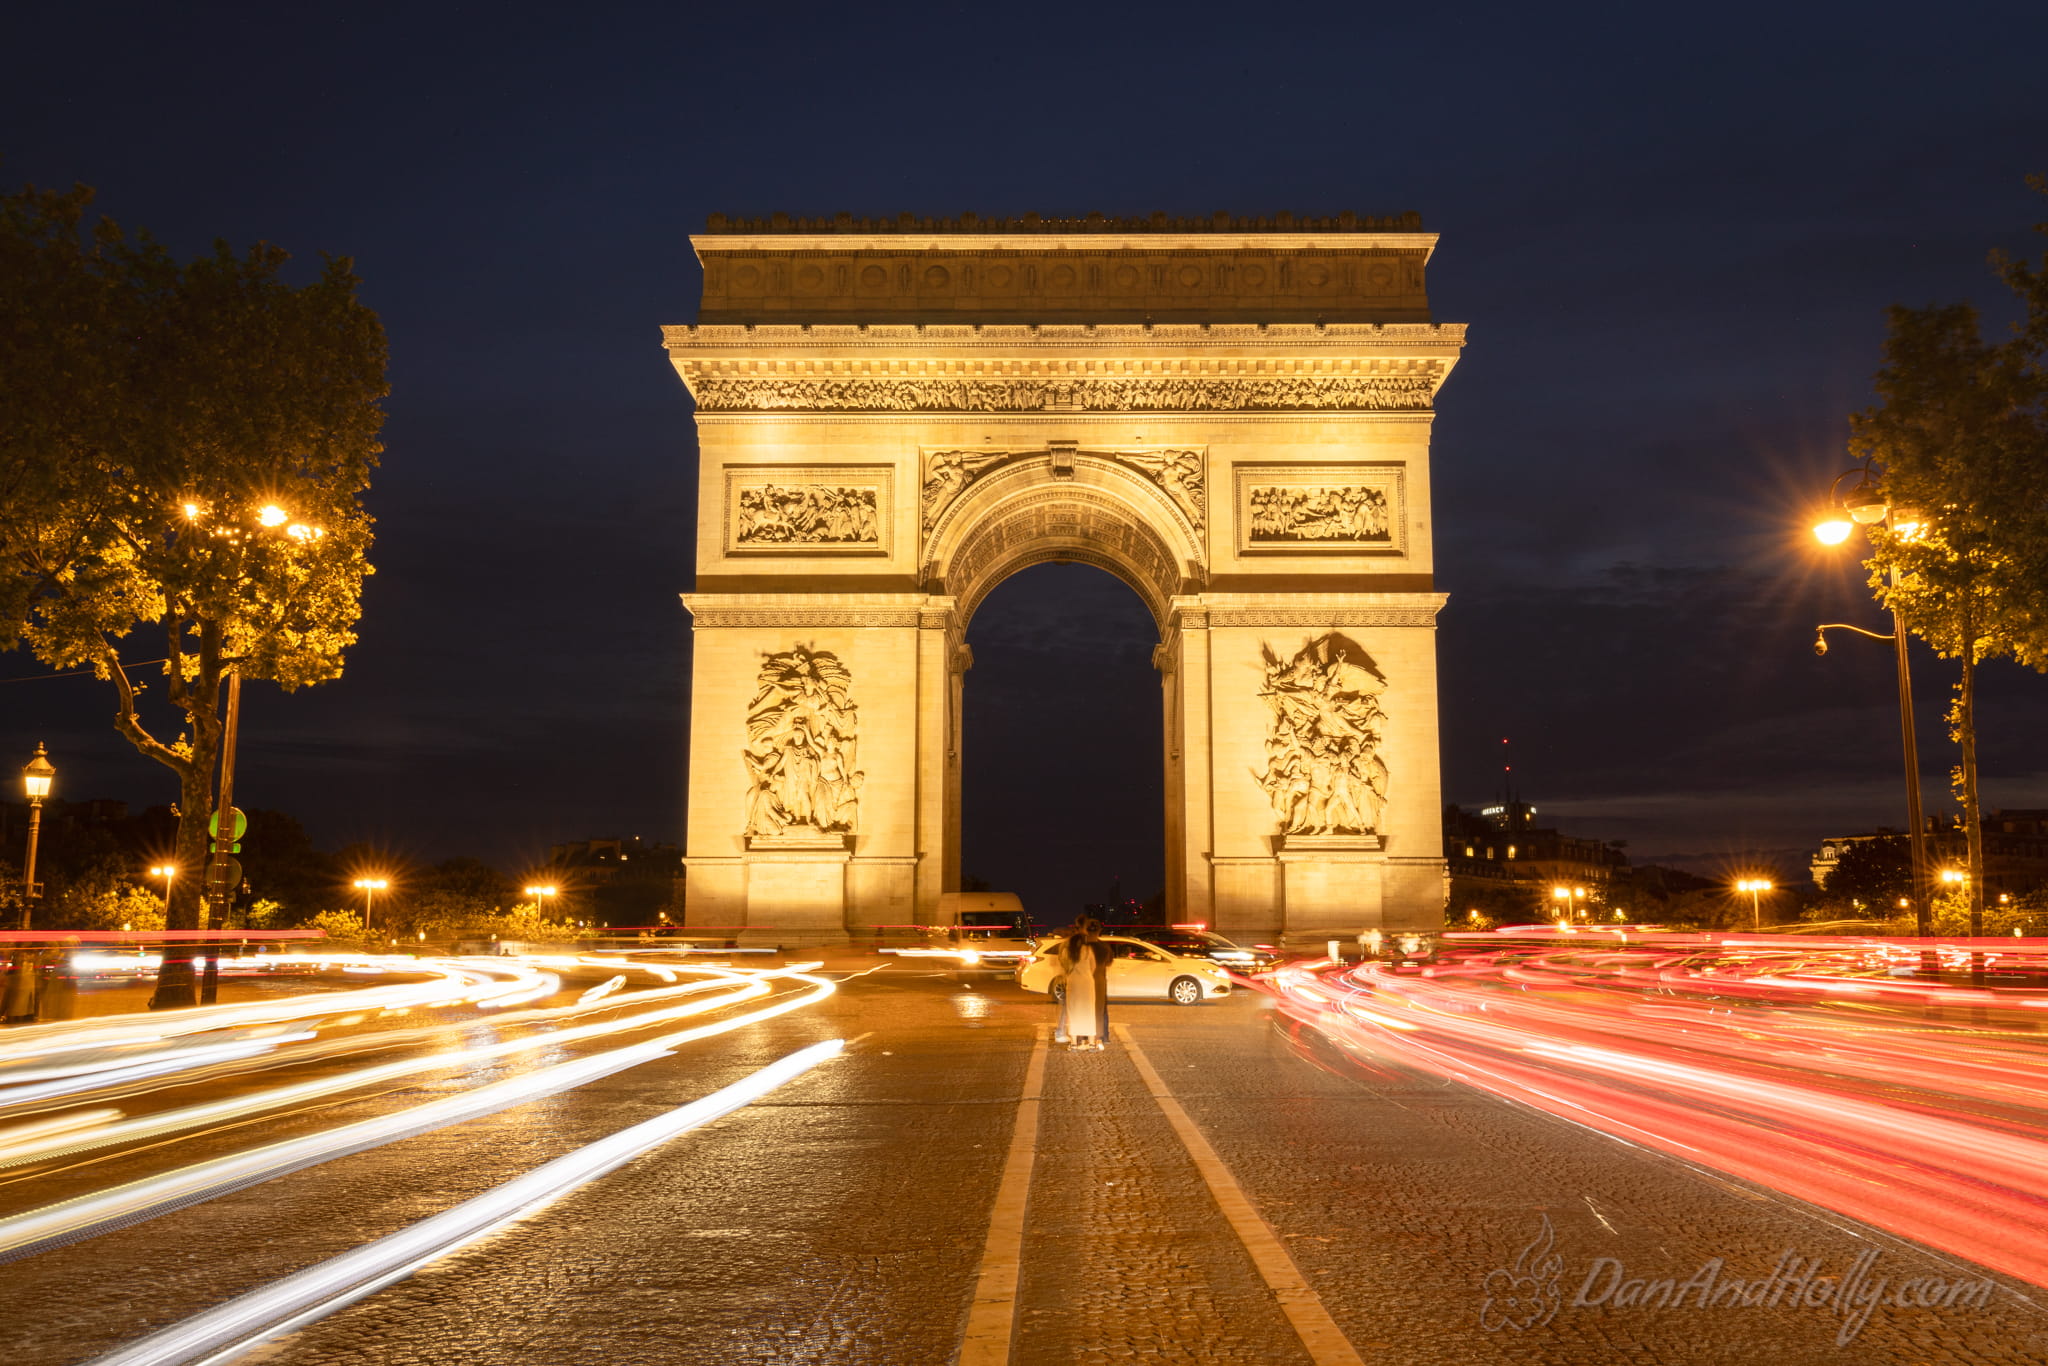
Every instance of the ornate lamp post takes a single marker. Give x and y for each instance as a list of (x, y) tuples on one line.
[(1756, 887), (36, 778), (1863, 505)]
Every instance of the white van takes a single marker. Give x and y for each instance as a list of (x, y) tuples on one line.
[(992, 926)]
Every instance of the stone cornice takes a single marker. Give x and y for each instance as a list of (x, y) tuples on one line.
[(803, 610), (1307, 611), (733, 368), (1029, 339), (1121, 239)]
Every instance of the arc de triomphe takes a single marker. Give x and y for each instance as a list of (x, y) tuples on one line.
[(1231, 416)]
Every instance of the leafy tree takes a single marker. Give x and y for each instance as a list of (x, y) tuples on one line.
[(343, 927), (100, 901), (1960, 433), (65, 362), (1871, 876), (218, 507)]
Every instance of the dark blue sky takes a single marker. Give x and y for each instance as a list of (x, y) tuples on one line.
[(1673, 231)]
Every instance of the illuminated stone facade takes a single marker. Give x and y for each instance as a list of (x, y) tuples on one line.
[(1232, 417)]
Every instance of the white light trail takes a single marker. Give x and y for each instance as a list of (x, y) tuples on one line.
[(89, 1215), (229, 1329), (157, 1123)]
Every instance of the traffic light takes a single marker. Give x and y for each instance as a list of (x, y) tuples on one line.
[(241, 828)]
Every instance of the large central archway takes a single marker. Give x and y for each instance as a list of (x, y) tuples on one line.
[(895, 418), (1062, 751)]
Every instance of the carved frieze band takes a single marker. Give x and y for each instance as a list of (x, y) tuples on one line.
[(947, 474), (1281, 393)]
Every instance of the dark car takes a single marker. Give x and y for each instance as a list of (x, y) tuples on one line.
[(1197, 943)]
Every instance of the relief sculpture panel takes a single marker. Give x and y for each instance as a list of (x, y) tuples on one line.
[(804, 511), (1348, 509), (1324, 774), (802, 731)]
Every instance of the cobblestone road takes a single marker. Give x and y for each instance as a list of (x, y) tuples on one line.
[(843, 1220)]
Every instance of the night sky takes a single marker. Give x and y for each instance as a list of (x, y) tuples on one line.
[(1672, 230)]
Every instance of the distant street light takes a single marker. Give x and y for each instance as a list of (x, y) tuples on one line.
[(166, 871), (369, 887), (36, 778), (1571, 896), (540, 895), (1756, 887), (1863, 505)]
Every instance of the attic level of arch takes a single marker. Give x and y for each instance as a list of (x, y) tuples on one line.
[(1331, 278)]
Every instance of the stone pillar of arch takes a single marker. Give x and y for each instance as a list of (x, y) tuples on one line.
[(1231, 417)]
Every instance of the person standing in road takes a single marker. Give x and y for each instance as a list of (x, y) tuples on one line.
[(1085, 959)]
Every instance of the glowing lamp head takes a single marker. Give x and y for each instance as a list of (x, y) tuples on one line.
[(38, 774), (1865, 503), (1560, 893), (371, 884), (166, 871), (270, 514), (1950, 875), (1834, 531), (191, 512)]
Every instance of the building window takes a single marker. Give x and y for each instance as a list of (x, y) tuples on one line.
[(1511, 851)]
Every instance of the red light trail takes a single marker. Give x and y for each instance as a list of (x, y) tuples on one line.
[(1813, 1067)]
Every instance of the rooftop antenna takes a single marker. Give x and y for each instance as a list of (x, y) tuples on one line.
[(1507, 774)]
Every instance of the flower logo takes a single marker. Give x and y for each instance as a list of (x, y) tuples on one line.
[(1526, 1295)]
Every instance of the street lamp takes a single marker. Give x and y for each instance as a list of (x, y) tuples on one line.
[(1756, 887), (1865, 505), (1571, 896), (36, 777), (369, 887), (540, 895), (166, 871)]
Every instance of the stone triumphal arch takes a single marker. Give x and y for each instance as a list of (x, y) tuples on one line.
[(1233, 417)]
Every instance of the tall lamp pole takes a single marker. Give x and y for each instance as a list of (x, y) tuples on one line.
[(36, 778), (1865, 506), (1755, 886), (369, 887), (166, 871)]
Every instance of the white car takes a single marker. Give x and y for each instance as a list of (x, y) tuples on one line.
[(1137, 970)]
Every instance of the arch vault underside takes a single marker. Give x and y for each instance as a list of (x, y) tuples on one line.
[(864, 485)]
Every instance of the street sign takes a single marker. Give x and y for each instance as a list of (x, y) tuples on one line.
[(223, 877), (241, 824)]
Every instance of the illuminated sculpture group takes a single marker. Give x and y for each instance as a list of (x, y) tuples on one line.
[(801, 735), (1324, 774)]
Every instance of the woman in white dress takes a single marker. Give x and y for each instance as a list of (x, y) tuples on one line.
[(1085, 959)]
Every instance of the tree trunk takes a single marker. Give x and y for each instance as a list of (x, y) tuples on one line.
[(176, 983), (1973, 816)]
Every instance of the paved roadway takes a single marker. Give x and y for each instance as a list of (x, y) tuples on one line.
[(847, 1217)]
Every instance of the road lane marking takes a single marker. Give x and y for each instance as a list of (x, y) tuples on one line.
[(992, 1322), (1319, 1333)]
